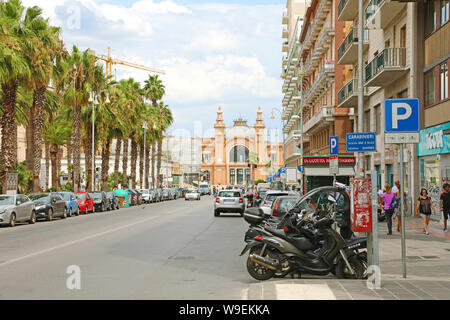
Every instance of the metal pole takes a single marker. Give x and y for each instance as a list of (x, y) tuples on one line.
[(145, 173), (402, 209), (373, 257), (93, 147), (360, 83)]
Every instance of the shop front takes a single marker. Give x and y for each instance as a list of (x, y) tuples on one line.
[(433, 151), (317, 174)]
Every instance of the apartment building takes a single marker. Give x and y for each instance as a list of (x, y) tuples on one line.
[(390, 46), (320, 117), (293, 20), (433, 51)]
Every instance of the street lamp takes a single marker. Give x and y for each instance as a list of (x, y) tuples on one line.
[(145, 126), (91, 100)]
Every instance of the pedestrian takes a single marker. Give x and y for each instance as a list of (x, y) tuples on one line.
[(380, 207), (387, 201), (424, 205), (396, 190), (444, 204)]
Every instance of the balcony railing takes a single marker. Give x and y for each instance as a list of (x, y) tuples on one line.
[(347, 90), (321, 115), (389, 58), (350, 39), (373, 6), (341, 6)]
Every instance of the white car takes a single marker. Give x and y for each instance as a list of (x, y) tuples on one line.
[(192, 194)]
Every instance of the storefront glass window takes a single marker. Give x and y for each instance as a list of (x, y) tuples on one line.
[(443, 80), (431, 179)]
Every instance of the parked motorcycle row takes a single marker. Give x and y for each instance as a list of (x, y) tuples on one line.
[(312, 237), (30, 208)]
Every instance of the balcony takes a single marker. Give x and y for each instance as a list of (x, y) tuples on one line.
[(320, 120), (347, 10), (387, 67), (348, 50), (285, 33), (285, 47), (316, 25), (321, 83), (380, 13), (325, 37), (284, 61), (348, 95), (285, 19)]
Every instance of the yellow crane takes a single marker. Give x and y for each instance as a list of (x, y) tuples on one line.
[(110, 61)]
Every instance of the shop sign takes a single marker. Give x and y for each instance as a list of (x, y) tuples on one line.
[(325, 161), (434, 140)]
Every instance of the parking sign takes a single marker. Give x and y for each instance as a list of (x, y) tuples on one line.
[(401, 115), (334, 146)]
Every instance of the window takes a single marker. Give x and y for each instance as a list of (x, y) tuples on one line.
[(377, 112), (366, 121), (429, 87), (445, 6), (443, 80), (239, 154), (403, 37), (430, 17)]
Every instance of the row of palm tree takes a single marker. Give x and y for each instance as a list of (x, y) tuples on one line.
[(49, 90)]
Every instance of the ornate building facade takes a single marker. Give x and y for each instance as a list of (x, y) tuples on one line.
[(226, 155)]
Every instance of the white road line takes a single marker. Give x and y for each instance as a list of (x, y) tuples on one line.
[(74, 242), (304, 292), (244, 294)]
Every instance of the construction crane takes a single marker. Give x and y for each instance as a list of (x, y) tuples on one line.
[(109, 62)]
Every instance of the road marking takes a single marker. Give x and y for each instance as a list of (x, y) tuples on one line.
[(304, 292), (244, 294), (74, 242)]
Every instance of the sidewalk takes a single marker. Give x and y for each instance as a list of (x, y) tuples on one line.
[(428, 272)]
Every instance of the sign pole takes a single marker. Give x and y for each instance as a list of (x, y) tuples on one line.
[(402, 209), (374, 233)]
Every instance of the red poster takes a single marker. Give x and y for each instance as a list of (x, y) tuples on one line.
[(361, 207)]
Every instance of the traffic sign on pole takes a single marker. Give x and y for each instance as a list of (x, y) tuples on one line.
[(334, 145)]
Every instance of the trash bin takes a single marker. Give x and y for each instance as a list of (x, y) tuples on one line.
[(121, 201)]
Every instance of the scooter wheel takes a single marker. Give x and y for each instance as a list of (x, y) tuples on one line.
[(342, 272), (258, 271)]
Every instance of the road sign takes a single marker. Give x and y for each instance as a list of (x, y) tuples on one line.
[(401, 137), (299, 168), (334, 164), (269, 179), (283, 170), (401, 115), (291, 175), (334, 145), (361, 142)]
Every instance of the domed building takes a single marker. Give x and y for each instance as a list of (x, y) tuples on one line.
[(226, 156)]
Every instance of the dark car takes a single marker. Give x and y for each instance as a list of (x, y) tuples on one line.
[(49, 205), (113, 200), (101, 201), (166, 194)]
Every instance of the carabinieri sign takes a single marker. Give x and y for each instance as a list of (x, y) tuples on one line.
[(361, 142)]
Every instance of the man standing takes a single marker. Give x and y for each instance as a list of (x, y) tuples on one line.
[(444, 203)]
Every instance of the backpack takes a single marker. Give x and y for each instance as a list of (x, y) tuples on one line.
[(394, 203)]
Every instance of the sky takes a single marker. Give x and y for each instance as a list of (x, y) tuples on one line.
[(223, 52)]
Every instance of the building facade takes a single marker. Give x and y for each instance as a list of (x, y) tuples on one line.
[(239, 155)]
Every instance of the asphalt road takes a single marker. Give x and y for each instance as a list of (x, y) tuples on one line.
[(168, 250)]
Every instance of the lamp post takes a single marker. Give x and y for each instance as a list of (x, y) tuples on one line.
[(91, 100), (145, 126)]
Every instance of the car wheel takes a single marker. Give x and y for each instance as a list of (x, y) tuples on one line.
[(64, 214), (12, 220), (50, 215), (78, 212), (216, 213), (32, 218)]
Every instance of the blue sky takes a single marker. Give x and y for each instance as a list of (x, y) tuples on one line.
[(221, 52)]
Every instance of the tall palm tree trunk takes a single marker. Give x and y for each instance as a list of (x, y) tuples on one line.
[(76, 139), (117, 162), (158, 163), (134, 154), (9, 131), (47, 164), (105, 164), (38, 120), (69, 163), (29, 150), (126, 142), (153, 165), (147, 166), (53, 159), (141, 166), (58, 165)]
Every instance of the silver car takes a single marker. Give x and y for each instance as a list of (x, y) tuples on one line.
[(16, 208), (192, 194), (229, 201), (147, 195), (271, 195)]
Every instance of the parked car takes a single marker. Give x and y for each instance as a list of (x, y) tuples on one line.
[(229, 201), (146, 195), (159, 194), (16, 208), (71, 203), (85, 202), (166, 194), (49, 205), (192, 194), (173, 193), (260, 194), (271, 195), (281, 205), (113, 200), (101, 201)]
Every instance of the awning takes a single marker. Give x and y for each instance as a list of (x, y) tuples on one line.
[(325, 171)]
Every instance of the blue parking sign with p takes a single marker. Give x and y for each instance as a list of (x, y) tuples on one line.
[(401, 115), (334, 145)]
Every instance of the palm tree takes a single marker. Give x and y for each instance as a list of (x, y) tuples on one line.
[(154, 90), (15, 38)]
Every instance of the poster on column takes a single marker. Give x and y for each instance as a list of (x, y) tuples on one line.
[(361, 204)]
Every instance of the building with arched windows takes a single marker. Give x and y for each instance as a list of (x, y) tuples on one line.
[(226, 156)]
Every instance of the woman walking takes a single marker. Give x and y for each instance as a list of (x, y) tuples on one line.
[(424, 205), (387, 201)]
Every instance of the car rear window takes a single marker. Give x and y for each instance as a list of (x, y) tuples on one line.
[(287, 204), (229, 194), (273, 196)]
